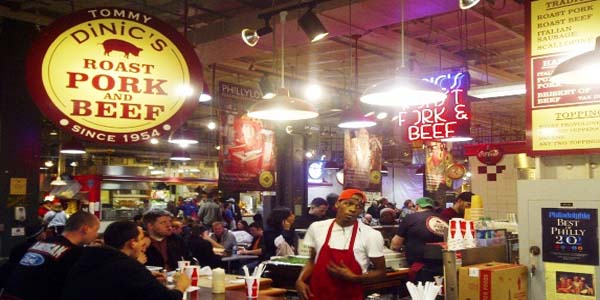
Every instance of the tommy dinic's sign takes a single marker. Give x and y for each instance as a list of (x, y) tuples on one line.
[(114, 75)]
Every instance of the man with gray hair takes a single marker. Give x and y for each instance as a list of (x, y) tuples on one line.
[(165, 248)]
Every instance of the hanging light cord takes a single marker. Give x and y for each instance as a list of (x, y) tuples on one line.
[(282, 16), (350, 35), (402, 31)]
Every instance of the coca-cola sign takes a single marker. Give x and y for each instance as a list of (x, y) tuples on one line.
[(489, 154), (114, 75)]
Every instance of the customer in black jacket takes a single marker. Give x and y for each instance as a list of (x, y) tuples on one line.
[(112, 271), (202, 249), (35, 232), (279, 223), (165, 248), (41, 272)]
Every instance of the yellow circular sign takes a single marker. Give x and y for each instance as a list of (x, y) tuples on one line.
[(114, 75), (375, 176), (266, 179)]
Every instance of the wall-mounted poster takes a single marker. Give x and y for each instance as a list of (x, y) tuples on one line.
[(248, 145), (362, 160), (568, 282), (437, 160), (570, 236)]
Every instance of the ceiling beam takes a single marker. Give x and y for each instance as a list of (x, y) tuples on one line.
[(498, 25), (24, 16)]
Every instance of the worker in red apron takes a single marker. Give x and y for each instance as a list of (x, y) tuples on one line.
[(340, 252)]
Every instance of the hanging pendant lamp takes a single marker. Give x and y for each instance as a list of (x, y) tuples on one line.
[(205, 95), (282, 107), (579, 70), (354, 118), (403, 90), (182, 137)]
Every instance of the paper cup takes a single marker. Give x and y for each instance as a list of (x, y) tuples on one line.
[(182, 264), (252, 287)]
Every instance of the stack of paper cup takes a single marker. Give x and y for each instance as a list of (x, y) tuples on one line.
[(470, 241), (476, 210), (455, 237)]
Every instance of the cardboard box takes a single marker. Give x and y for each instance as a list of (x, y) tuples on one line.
[(492, 281)]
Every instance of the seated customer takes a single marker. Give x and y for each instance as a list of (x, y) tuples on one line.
[(257, 245), (165, 248), (221, 238), (113, 272), (317, 211), (42, 271), (202, 249), (279, 238), (387, 216), (35, 233)]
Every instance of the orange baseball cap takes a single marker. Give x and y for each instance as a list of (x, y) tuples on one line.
[(347, 194)]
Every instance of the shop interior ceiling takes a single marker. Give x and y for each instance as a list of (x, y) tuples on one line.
[(488, 40)]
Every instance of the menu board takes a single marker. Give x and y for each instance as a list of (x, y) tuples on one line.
[(562, 118), (570, 236)]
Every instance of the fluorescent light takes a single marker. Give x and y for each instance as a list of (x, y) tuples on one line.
[(157, 172), (499, 90)]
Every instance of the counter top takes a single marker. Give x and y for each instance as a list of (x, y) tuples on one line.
[(232, 282), (206, 294)]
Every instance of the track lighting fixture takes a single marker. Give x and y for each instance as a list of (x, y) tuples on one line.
[(251, 36), (312, 26)]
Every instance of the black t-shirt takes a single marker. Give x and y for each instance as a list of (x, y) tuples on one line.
[(419, 229), (42, 271)]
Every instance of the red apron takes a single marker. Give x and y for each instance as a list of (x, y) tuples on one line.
[(325, 287)]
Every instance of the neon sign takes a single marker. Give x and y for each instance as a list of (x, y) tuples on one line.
[(442, 120)]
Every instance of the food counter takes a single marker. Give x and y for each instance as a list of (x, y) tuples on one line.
[(285, 270)]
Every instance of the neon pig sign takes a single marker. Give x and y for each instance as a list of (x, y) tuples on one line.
[(441, 120)]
